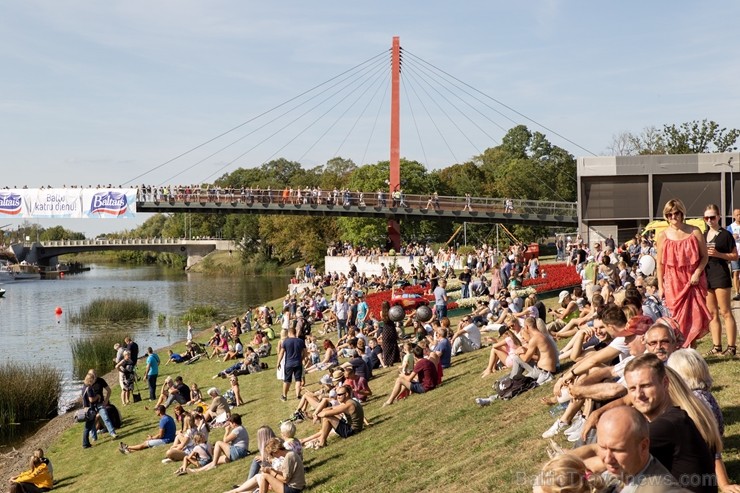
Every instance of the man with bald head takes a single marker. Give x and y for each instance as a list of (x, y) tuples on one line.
[(624, 448)]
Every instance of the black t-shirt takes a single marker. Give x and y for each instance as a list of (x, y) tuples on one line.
[(97, 388), (293, 348), (374, 357), (183, 390), (465, 277), (678, 445)]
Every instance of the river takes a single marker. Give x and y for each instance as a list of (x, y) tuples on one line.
[(30, 330)]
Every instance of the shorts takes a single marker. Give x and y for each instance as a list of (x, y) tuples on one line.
[(204, 462), (417, 388), (293, 372), (236, 453), (158, 442), (735, 265), (290, 489), (343, 429)]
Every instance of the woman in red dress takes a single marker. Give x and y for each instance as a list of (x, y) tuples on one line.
[(682, 257)]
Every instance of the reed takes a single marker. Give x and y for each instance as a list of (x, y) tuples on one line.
[(28, 392), (200, 315), (112, 310), (95, 352)]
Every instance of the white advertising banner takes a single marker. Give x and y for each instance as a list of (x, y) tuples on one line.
[(75, 203)]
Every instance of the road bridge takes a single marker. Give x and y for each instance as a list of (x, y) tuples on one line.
[(46, 253)]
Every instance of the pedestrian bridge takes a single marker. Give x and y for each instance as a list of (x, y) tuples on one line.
[(45, 253), (361, 204)]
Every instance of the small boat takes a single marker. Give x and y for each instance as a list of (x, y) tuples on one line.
[(25, 271), (5, 273), (2, 292)]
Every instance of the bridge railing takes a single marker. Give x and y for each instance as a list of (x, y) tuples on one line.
[(126, 241), (362, 199)]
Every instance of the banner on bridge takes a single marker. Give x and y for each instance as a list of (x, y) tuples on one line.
[(73, 203)]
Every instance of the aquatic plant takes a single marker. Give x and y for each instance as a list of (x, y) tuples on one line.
[(28, 392), (200, 315), (112, 310), (95, 352)]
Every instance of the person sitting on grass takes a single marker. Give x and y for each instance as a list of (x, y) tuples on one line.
[(330, 358), (179, 392), (236, 352), (38, 478), (234, 381), (360, 388), (503, 349), (289, 478), (165, 435), (165, 392), (317, 400), (351, 422), (196, 396), (422, 379), (467, 337), (290, 442), (234, 446), (200, 455), (218, 411)]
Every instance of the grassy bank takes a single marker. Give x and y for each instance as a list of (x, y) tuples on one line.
[(433, 442), (28, 392)]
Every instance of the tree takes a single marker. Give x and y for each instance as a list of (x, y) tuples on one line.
[(687, 138)]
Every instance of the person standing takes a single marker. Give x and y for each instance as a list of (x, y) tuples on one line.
[(341, 311), (440, 299), (127, 376), (152, 371), (465, 279), (294, 350), (99, 397), (720, 249), (682, 257), (734, 228), (388, 337)]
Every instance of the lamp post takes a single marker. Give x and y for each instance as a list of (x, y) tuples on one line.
[(732, 184)]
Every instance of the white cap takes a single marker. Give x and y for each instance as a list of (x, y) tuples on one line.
[(562, 295)]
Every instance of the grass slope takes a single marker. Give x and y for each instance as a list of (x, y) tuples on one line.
[(433, 442)]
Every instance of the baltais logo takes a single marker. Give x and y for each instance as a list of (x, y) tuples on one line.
[(10, 204), (111, 203)]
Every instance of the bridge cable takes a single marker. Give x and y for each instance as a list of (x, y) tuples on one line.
[(378, 78), (265, 125), (413, 118), (426, 110), (359, 117), (232, 161), (384, 52), (412, 76), (425, 70), (377, 116), (503, 104)]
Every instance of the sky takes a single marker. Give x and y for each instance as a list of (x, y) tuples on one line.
[(108, 92)]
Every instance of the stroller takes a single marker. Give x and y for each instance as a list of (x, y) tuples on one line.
[(194, 351)]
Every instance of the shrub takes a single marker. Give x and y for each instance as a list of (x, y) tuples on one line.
[(200, 315)]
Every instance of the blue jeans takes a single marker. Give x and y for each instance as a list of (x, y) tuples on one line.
[(151, 380), (465, 290), (441, 310), (341, 326), (103, 413), (89, 429)]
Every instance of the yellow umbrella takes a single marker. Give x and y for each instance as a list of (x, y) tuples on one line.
[(661, 224)]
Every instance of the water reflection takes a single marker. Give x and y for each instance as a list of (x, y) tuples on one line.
[(30, 330)]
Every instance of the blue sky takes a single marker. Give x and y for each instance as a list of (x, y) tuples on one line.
[(101, 92)]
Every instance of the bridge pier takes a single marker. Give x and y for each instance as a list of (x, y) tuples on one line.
[(195, 254)]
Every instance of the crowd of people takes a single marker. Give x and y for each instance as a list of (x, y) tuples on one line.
[(633, 378)]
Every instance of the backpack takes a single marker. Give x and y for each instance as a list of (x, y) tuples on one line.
[(508, 388)]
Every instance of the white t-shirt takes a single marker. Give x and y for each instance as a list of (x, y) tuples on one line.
[(619, 344), (735, 230), (473, 333)]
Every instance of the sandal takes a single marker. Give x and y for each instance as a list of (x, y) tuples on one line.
[(715, 351), (730, 352)]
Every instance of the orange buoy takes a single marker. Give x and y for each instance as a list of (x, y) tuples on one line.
[(58, 310)]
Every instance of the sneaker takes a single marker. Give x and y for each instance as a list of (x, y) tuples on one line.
[(555, 429), (574, 434), (576, 424), (736, 297), (544, 378), (123, 448), (113, 435), (485, 401), (283, 398), (166, 460)]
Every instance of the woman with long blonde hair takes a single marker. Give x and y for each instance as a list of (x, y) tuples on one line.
[(567, 474)]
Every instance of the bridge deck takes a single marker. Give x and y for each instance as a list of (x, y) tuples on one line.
[(411, 207)]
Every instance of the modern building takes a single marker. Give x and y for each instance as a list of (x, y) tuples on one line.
[(620, 195)]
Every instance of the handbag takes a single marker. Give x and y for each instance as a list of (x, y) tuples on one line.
[(137, 394), (86, 414)]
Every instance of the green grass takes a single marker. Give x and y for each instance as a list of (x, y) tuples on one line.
[(95, 352), (439, 441), (28, 392), (112, 310)]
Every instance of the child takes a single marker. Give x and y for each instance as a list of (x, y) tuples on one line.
[(313, 350), (290, 442), (196, 396), (235, 389), (200, 455), (407, 364)]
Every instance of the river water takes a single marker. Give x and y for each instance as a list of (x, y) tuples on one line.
[(31, 332)]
